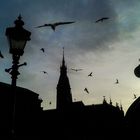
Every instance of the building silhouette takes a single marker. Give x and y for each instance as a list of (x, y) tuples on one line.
[(75, 120), (70, 120), (27, 110)]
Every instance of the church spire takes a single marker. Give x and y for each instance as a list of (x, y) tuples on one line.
[(64, 97), (63, 68)]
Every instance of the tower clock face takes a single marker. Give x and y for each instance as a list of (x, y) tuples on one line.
[(137, 71)]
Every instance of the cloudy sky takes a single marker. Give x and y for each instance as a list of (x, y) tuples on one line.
[(110, 49)]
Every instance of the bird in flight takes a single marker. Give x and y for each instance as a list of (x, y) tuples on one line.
[(53, 25), (76, 69), (1, 55), (117, 81), (90, 74), (42, 49), (86, 90), (135, 96), (102, 19), (44, 72)]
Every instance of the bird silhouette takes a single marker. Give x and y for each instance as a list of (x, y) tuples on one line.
[(135, 96), (86, 90), (44, 72), (53, 25), (102, 19), (117, 81), (1, 55), (90, 74), (76, 69), (42, 49), (50, 103)]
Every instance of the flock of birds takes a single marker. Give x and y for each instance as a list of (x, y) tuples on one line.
[(77, 70), (91, 75), (53, 27)]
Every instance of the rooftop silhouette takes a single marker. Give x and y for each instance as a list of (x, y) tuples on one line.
[(90, 120)]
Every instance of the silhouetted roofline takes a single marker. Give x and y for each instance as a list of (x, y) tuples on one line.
[(6, 85)]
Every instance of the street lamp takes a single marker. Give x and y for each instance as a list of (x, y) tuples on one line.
[(17, 37)]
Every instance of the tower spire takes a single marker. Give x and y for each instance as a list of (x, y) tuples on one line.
[(63, 61), (64, 97)]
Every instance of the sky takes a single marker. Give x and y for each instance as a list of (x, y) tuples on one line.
[(109, 49)]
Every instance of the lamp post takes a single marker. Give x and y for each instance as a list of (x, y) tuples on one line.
[(17, 37)]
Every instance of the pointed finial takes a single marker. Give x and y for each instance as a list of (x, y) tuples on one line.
[(110, 101), (19, 17), (121, 108), (63, 63), (104, 100), (18, 22), (117, 104), (63, 51)]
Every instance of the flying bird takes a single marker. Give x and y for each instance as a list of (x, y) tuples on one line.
[(44, 72), (1, 55), (76, 69), (53, 25), (117, 81), (42, 49), (102, 19), (90, 74), (135, 96), (86, 90)]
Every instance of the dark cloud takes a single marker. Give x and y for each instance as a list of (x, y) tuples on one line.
[(84, 34), (81, 37)]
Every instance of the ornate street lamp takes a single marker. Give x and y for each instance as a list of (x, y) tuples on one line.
[(17, 37)]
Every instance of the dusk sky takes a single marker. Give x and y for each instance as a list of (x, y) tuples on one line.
[(109, 49)]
